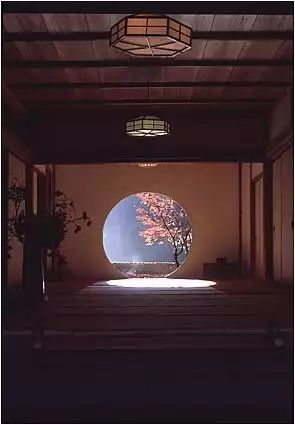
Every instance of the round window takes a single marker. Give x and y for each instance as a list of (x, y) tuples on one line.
[(147, 235)]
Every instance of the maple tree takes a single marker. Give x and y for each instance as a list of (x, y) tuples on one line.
[(164, 221)]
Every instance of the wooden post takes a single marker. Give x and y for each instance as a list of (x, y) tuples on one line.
[(268, 219), (50, 199), (240, 217), (28, 212), (42, 210), (41, 194), (29, 190), (5, 183), (252, 229)]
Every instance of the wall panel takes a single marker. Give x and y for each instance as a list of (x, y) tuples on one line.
[(287, 215)]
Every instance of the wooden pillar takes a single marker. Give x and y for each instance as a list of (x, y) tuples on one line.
[(240, 216), (252, 230), (4, 229), (268, 219), (50, 188), (53, 187), (28, 212), (42, 211), (41, 194), (50, 200), (29, 190)]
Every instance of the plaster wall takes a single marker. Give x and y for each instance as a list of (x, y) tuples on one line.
[(207, 191)]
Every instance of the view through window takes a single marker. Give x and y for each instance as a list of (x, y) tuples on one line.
[(147, 235)]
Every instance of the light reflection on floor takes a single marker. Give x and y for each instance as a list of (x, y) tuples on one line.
[(161, 283)]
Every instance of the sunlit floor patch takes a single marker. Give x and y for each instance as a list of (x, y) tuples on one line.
[(161, 283)]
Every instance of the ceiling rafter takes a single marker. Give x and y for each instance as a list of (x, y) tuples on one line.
[(104, 35), (146, 63), (148, 84), (67, 102)]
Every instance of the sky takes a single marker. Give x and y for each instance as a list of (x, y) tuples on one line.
[(121, 240)]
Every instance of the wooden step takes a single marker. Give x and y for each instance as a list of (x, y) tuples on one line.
[(160, 340)]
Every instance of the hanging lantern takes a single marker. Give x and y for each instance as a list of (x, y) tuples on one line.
[(147, 164), (151, 35), (147, 126)]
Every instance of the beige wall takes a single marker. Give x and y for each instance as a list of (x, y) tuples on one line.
[(16, 169), (207, 191)]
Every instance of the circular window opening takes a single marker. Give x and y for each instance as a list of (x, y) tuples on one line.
[(147, 235)]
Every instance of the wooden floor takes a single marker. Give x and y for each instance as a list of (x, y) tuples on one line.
[(232, 314)]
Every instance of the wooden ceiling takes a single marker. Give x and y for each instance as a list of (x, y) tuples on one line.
[(55, 60), (58, 59)]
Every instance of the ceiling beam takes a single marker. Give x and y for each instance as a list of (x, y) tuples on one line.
[(184, 7), (218, 157), (146, 63), (148, 84), (104, 35), (146, 102)]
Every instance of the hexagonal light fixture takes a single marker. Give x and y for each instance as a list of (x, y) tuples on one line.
[(147, 126), (151, 36)]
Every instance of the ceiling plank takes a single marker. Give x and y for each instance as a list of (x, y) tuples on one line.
[(147, 63), (65, 23), (266, 23), (104, 35), (24, 23), (233, 22), (260, 49)]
